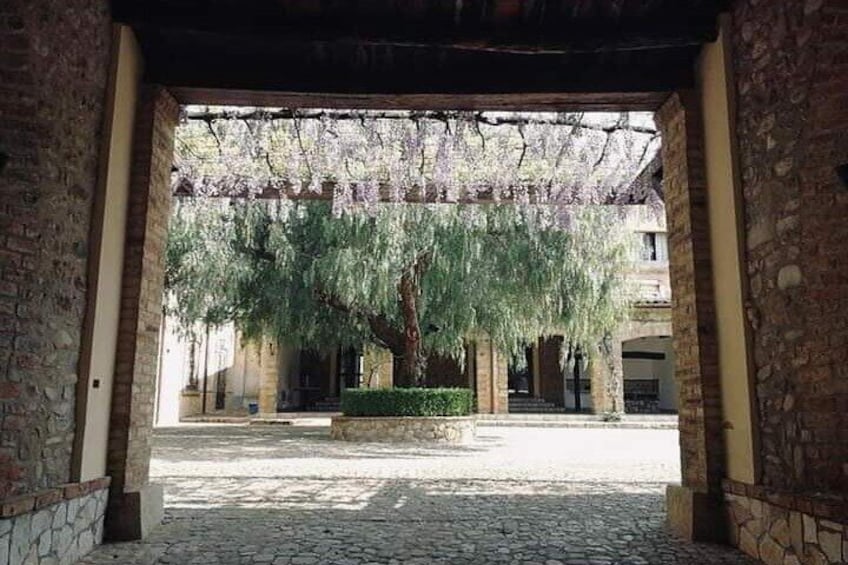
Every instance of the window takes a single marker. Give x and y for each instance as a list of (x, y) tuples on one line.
[(654, 247), (641, 389), (350, 367)]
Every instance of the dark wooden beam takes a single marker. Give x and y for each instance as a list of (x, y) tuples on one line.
[(273, 114), (184, 187), (213, 61), (429, 54), (517, 102), (476, 25)]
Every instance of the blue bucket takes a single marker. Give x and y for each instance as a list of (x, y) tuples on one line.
[(253, 408)]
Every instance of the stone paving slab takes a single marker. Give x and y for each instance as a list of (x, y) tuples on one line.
[(288, 496)]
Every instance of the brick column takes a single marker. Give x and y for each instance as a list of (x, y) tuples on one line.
[(694, 507), (491, 375), (269, 377), (134, 504)]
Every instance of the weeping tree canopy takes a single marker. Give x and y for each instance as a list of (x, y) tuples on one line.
[(334, 253), (415, 279), (362, 157)]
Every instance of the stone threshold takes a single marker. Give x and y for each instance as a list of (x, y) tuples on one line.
[(26, 503)]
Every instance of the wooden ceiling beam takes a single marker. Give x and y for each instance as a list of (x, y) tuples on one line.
[(519, 102), (185, 188), (428, 54), (222, 62), (673, 28)]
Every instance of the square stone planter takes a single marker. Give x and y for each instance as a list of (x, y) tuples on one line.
[(442, 429)]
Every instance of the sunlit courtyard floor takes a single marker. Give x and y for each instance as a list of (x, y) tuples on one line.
[(290, 495)]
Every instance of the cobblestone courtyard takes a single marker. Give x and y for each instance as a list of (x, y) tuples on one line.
[(290, 495)]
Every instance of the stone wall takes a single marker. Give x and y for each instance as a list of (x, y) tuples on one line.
[(454, 430), (641, 406), (791, 63), (55, 526), (782, 529), (54, 58)]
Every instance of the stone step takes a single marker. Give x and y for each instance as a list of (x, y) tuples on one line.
[(525, 405), (561, 420)]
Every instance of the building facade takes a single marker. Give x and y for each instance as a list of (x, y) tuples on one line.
[(217, 372)]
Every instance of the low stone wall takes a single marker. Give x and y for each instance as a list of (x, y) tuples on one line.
[(455, 430), (642, 406), (56, 526), (786, 529)]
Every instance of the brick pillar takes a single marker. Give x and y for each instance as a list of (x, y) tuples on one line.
[(694, 507), (134, 504), (491, 376), (269, 377), (607, 376)]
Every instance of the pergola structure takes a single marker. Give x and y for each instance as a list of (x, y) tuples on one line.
[(750, 101)]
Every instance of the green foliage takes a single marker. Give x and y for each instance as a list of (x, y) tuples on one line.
[(407, 402), (294, 271)]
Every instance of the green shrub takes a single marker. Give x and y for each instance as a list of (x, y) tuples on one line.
[(407, 402)]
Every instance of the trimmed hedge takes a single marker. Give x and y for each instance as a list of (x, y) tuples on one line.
[(407, 402)]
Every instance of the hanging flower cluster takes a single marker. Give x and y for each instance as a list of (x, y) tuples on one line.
[(364, 157)]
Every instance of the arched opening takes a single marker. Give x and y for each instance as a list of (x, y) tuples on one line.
[(649, 383)]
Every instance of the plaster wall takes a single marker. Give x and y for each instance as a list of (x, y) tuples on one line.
[(724, 200), (109, 250)]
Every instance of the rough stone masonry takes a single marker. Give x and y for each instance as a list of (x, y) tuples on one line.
[(791, 62), (54, 58)]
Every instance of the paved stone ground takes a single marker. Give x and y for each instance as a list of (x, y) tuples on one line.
[(289, 495)]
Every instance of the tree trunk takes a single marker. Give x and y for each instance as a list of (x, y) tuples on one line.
[(414, 363)]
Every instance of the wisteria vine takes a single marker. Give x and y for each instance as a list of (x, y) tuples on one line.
[(360, 158)]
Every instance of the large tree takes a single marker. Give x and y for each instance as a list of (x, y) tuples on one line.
[(416, 279)]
